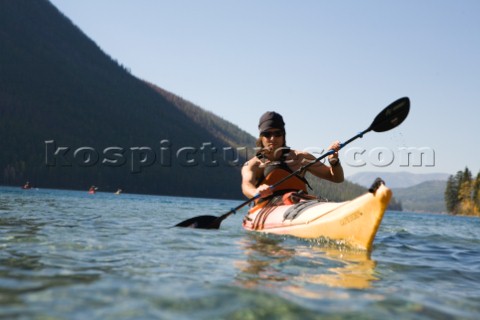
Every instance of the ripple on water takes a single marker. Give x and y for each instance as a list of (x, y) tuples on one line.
[(66, 254)]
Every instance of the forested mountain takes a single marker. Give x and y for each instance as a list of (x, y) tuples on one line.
[(71, 117), (230, 134), (423, 197)]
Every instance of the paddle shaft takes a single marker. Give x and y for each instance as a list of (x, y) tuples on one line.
[(296, 172), (304, 167)]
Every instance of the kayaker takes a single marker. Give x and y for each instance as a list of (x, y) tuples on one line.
[(26, 186), (275, 161)]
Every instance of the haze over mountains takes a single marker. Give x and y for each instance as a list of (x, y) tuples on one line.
[(426, 196), (397, 179), (416, 192)]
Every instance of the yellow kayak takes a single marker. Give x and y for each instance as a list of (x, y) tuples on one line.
[(353, 222)]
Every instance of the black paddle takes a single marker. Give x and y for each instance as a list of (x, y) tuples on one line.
[(389, 118)]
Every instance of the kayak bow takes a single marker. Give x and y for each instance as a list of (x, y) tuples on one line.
[(353, 222)]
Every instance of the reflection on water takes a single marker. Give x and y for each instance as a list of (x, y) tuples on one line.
[(23, 270), (264, 256), (355, 270), (303, 268)]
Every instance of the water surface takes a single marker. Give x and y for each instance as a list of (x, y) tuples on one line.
[(71, 255)]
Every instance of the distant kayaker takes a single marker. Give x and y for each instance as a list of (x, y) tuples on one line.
[(92, 190), (27, 185), (275, 161)]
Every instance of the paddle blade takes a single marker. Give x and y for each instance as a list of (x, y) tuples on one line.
[(201, 222), (391, 116)]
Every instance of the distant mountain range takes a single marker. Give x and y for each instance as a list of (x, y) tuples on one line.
[(397, 179), (427, 196), (416, 192)]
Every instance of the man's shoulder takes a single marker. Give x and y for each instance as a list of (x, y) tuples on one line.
[(252, 162)]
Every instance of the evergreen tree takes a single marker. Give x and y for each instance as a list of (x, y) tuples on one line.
[(465, 185), (462, 193), (466, 206), (476, 191), (451, 194)]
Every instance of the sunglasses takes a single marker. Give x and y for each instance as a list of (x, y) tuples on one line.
[(269, 134)]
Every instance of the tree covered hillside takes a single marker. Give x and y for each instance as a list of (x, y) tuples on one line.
[(423, 197), (71, 117), (462, 194)]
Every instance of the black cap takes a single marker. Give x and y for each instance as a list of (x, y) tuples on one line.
[(271, 120)]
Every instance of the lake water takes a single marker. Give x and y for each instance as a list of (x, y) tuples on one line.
[(70, 255)]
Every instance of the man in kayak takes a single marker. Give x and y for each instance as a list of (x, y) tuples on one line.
[(27, 186), (275, 161)]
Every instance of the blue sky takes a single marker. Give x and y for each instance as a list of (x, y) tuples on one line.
[(329, 67)]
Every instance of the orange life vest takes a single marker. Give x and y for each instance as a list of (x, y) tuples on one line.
[(276, 172), (273, 173)]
